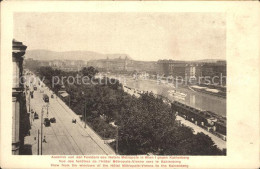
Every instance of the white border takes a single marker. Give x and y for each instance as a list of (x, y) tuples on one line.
[(242, 63)]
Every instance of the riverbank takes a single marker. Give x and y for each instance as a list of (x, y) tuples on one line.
[(217, 140), (193, 98), (206, 90)]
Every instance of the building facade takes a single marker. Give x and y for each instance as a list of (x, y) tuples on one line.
[(193, 70), (179, 68), (67, 65), (216, 71), (17, 93), (123, 64)]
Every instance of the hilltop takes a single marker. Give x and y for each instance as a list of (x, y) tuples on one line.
[(70, 55)]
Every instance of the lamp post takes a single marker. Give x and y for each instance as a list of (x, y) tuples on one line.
[(85, 114), (116, 139), (38, 143), (44, 106), (29, 101), (47, 106), (69, 100), (85, 108), (41, 128)]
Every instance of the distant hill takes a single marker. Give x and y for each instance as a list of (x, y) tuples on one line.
[(70, 55), (210, 60)]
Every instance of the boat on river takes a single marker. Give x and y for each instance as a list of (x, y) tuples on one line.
[(177, 95)]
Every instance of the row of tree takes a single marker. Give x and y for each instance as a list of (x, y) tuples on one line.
[(145, 124)]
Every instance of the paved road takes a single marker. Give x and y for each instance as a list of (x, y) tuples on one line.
[(63, 137), (218, 141)]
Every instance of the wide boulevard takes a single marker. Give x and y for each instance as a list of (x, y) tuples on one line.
[(62, 137)]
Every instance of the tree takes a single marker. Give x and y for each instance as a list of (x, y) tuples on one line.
[(89, 72), (145, 124)]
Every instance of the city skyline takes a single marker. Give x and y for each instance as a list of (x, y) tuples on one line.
[(142, 36)]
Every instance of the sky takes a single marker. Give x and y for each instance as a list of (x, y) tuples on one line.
[(143, 36)]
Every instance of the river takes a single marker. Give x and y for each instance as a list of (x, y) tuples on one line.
[(195, 99)]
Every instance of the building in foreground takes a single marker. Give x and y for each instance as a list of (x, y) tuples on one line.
[(17, 94)]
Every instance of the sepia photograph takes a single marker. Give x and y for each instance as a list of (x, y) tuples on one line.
[(107, 84), (113, 83)]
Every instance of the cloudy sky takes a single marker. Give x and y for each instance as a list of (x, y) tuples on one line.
[(143, 36)]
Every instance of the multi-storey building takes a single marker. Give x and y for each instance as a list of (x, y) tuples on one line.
[(65, 65), (124, 64), (107, 64), (192, 69), (215, 71), (17, 94), (142, 66), (179, 68)]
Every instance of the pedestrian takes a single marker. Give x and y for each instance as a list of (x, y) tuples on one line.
[(44, 140)]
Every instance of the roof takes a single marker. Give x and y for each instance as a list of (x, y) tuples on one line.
[(18, 48)]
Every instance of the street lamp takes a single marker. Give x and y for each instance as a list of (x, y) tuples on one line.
[(38, 142), (69, 100), (44, 106), (116, 139), (85, 114), (47, 106), (41, 128), (29, 101)]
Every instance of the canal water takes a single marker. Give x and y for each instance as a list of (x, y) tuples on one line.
[(195, 99)]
